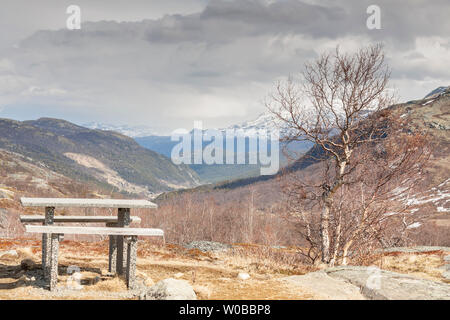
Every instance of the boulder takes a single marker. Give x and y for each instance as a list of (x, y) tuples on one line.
[(356, 282), (27, 264), (169, 289), (379, 284)]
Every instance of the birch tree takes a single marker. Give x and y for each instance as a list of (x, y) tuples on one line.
[(340, 105)]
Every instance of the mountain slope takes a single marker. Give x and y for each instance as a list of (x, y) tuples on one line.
[(431, 114), (93, 155)]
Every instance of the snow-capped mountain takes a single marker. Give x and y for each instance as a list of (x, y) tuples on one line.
[(131, 131), (437, 92), (265, 121)]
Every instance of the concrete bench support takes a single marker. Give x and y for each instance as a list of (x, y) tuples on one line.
[(46, 241), (131, 262), (112, 256), (123, 221), (53, 270), (129, 234)]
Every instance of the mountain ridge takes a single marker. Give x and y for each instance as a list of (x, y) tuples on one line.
[(50, 140)]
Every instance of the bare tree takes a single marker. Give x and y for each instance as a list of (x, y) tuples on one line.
[(340, 106)]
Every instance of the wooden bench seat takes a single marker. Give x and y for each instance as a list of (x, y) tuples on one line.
[(74, 219), (130, 234)]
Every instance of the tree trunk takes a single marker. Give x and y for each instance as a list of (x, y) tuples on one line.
[(345, 252), (324, 224)]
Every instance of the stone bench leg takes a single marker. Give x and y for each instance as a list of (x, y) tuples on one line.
[(123, 220), (131, 262), (112, 251), (46, 242), (53, 263), (112, 266)]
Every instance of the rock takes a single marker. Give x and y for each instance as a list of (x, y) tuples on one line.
[(178, 275), (27, 264), (325, 287), (169, 289), (206, 246), (446, 275), (378, 284), (243, 276)]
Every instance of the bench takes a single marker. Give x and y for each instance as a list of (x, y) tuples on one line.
[(56, 234), (118, 240)]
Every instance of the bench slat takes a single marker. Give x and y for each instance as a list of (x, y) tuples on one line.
[(95, 230), (86, 203), (106, 219)]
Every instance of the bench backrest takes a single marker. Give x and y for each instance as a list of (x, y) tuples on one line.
[(95, 230), (79, 219)]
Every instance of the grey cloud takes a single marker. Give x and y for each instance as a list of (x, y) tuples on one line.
[(214, 64)]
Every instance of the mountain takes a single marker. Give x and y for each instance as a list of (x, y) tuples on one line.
[(223, 172), (107, 159), (437, 92), (430, 116), (265, 121), (127, 130)]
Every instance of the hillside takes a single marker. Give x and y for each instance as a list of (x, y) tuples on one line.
[(100, 157), (224, 172), (429, 115)]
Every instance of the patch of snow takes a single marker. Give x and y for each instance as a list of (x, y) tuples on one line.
[(428, 102), (414, 225)]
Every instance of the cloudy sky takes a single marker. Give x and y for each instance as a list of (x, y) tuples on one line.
[(166, 63)]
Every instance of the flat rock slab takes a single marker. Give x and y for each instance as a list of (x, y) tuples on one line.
[(325, 287), (378, 284), (357, 283)]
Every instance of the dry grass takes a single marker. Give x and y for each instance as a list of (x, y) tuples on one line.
[(212, 275), (427, 265)]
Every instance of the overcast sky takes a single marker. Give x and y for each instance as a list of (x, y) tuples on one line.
[(166, 63)]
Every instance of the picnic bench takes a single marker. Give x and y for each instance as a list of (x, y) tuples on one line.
[(122, 238)]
